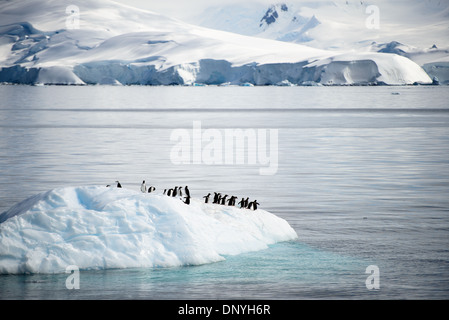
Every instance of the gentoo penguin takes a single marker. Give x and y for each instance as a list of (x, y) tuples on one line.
[(216, 197), (118, 184), (223, 200), (246, 202), (206, 198), (151, 189), (175, 191), (143, 187), (187, 191), (180, 191), (254, 203), (170, 192), (231, 201), (242, 203), (187, 200)]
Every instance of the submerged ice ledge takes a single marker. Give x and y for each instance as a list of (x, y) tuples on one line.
[(97, 227)]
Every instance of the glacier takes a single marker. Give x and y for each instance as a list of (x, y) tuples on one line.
[(419, 33), (97, 227), (119, 45)]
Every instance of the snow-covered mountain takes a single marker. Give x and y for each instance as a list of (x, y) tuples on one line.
[(91, 42), (415, 29), (335, 24)]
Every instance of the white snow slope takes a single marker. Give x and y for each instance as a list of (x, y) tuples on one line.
[(103, 42), (415, 29), (334, 24), (96, 227)]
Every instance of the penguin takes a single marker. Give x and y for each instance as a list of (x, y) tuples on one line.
[(118, 184), (246, 202), (254, 204), (223, 200), (180, 191), (170, 192), (165, 190), (231, 201), (187, 191), (216, 197), (242, 203), (143, 187), (151, 189), (175, 192), (206, 198), (187, 200)]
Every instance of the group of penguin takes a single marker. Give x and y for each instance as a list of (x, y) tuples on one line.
[(144, 189), (173, 192), (219, 199)]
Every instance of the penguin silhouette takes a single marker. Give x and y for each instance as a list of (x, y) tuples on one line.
[(143, 187), (254, 204), (187, 200), (151, 189), (223, 200), (180, 191), (231, 201), (169, 192), (175, 191), (206, 198), (242, 203), (118, 184), (216, 197), (246, 202), (187, 191)]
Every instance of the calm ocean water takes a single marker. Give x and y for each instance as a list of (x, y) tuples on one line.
[(362, 176)]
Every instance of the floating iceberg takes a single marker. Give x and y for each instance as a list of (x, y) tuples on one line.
[(96, 227)]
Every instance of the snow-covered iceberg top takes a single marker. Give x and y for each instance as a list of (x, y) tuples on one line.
[(96, 227)]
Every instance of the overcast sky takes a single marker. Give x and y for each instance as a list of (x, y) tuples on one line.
[(181, 8)]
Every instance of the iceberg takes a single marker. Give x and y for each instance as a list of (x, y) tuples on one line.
[(96, 227)]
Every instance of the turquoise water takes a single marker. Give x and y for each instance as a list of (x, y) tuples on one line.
[(283, 271), (363, 178)]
